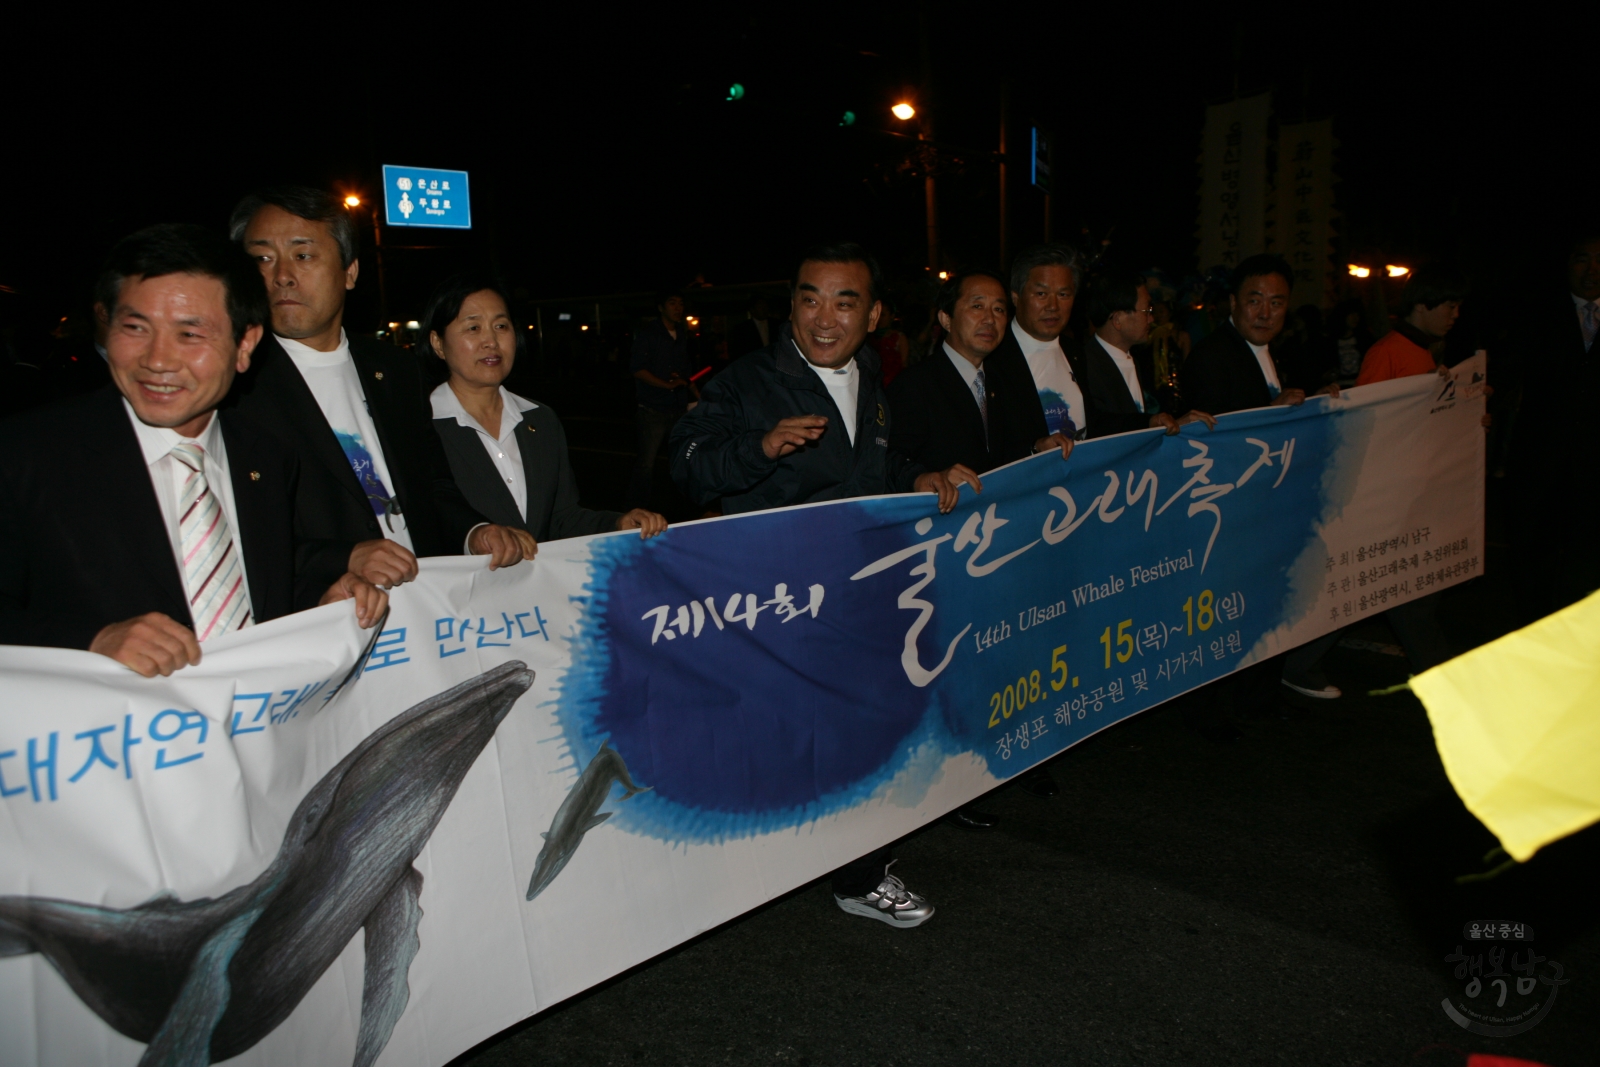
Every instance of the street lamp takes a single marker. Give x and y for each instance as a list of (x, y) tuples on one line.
[(1357, 271), (1396, 272), (903, 111), (352, 200)]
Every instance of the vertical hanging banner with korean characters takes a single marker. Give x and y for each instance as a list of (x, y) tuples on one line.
[(329, 846), (1301, 209), (1233, 181)]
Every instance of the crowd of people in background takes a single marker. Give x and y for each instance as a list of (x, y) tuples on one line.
[(262, 457)]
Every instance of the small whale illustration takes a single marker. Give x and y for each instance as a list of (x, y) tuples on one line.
[(577, 814), (203, 980)]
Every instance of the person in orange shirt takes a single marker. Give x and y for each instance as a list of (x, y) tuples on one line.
[(1432, 303), (1432, 299)]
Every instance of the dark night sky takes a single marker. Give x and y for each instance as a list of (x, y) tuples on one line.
[(604, 156)]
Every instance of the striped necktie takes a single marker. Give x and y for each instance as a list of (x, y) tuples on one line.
[(980, 393), (218, 599)]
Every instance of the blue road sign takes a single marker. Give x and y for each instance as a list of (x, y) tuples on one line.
[(423, 196), (1040, 170)]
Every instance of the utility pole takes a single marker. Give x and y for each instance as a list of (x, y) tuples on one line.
[(929, 192), (377, 256), (1005, 101)]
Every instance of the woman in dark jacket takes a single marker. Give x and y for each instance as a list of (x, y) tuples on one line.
[(508, 454)]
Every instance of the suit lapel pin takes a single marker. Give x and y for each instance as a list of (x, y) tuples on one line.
[(255, 476), (378, 374)]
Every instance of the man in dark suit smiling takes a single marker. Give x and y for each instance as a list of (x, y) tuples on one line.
[(958, 407), (138, 522)]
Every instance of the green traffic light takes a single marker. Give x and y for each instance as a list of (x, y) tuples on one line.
[(735, 91), (849, 119)]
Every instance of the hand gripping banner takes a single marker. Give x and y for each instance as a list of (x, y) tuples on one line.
[(324, 845)]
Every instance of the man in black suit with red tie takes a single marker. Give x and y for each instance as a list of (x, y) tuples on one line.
[(957, 407), (373, 476), (961, 405), (137, 521)]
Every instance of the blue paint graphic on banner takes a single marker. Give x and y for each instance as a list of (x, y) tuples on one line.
[(765, 671)]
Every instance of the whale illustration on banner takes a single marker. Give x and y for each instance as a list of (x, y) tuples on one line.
[(203, 980), (577, 814)]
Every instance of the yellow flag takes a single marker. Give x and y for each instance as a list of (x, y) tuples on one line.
[(1517, 722)]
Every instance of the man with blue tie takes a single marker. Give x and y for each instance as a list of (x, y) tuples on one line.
[(963, 405), (960, 406), (137, 521)]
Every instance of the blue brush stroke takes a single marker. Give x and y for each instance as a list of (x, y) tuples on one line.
[(745, 731)]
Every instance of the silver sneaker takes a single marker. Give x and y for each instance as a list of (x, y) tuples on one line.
[(891, 902)]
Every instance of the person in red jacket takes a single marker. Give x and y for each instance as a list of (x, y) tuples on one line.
[(1431, 302)]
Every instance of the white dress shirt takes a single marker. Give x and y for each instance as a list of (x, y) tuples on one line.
[(844, 385), (503, 450), (334, 383), (167, 476), (1130, 373), (1263, 357), (1059, 393)]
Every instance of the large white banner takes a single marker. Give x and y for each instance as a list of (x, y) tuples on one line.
[(324, 845)]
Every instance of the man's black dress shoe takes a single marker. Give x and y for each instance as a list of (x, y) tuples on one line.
[(1039, 783), (973, 819)]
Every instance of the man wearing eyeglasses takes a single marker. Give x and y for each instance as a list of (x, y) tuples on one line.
[(1120, 394)]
